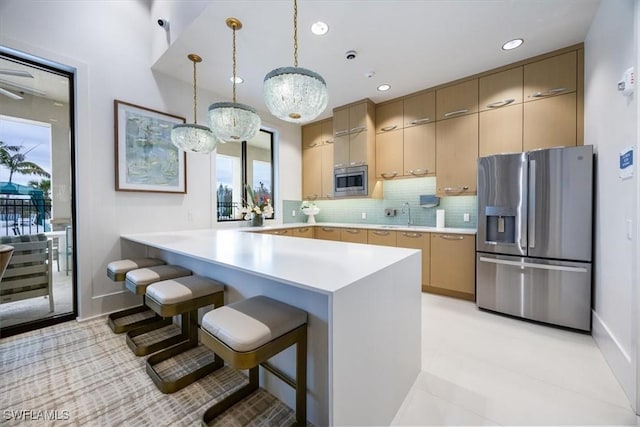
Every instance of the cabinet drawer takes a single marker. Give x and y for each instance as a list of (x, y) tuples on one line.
[(453, 263), (381, 237), (328, 233), (353, 235), (303, 232), (283, 232), (416, 240)]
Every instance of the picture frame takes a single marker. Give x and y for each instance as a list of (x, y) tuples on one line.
[(145, 158)]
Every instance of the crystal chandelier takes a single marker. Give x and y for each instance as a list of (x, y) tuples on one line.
[(232, 121), (193, 138), (295, 94)]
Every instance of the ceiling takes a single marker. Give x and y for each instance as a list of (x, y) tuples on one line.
[(409, 44)]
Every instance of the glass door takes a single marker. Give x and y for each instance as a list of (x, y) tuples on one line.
[(36, 193)]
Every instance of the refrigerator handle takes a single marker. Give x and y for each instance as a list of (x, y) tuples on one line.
[(522, 264), (532, 204)]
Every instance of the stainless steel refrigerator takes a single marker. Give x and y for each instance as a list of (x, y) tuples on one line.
[(533, 257)]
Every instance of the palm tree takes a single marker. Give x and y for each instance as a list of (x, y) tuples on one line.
[(44, 185), (17, 163)]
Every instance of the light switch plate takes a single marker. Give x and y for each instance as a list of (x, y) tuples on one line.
[(364, 215), (293, 212), (466, 217)]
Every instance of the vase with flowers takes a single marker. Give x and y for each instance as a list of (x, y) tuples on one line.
[(258, 205), (311, 210)]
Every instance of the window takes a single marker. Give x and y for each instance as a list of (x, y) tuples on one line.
[(240, 163)]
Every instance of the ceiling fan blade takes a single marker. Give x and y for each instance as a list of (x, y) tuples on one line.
[(17, 73), (9, 94)]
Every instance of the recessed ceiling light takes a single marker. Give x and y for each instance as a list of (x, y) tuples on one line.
[(238, 80), (319, 28), (512, 44), (384, 87)]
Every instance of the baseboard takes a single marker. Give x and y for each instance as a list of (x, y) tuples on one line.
[(617, 358)]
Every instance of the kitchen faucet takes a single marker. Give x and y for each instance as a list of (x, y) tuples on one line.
[(406, 209)]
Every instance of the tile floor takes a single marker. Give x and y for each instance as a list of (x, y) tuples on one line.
[(479, 368)]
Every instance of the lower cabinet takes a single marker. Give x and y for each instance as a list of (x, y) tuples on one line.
[(381, 237), (353, 235), (280, 232), (303, 232), (328, 233), (422, 241), (453, 265)]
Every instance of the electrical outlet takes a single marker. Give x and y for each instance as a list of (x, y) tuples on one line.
[(364, 215), (466, 217), (293, 212)]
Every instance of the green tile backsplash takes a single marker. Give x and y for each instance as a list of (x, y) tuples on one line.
[(395, 193)]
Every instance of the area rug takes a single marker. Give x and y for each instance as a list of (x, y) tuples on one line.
[(84, 374)]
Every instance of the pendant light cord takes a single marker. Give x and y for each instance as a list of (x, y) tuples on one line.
[(195, 99), (295, 33), (234, 63)]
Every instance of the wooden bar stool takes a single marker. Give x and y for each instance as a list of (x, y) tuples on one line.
[(137, 281), (183, 296), (248, 333), (125, 320)]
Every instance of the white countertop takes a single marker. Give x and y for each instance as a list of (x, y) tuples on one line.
[(414, 228), (319, 265)]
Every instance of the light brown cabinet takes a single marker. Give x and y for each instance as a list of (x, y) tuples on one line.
[(456, 155), (500, 131), (353, 235), (389, 154), (312, 173), (280, 232), (551, 76), (457, 100), (317, 160), (420, 150), (550, 123), (500, 89), (389, 116), (381, 237), (453, 265), (419, 109), (311, 135), (354, 139), (328, 233), (417, 240), (304, 232)]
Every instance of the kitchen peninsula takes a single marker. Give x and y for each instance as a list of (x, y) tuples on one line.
[(363, 302)]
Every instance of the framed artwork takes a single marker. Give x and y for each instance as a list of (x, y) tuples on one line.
[(145, 158)]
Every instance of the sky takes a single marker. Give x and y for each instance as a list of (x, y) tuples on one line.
[(33, 136)]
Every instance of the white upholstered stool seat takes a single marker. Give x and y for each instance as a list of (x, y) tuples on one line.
[(137, 280), (117, 270), (248, 324), (246, 334), (181, 296)]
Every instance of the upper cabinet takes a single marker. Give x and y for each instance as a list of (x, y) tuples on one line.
[(353, 138), (317, 160), (500, 89), (419, 109), (389, 116), (552, 76), (457, 155), (457, 100)]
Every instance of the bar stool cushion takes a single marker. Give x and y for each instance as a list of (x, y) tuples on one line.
[(253, 322), (117, 270), (138, 280), (183, 289)]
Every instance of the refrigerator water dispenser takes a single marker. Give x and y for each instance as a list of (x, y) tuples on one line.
[(501, 224)]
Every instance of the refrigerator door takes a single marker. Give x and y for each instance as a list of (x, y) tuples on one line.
[(502, 204), (560, 203), (555, 292)]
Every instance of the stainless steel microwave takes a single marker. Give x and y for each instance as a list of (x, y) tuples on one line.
[(351, 181)]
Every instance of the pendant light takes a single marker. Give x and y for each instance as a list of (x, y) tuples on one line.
[(232, 121), (193, 138), (295, 94)]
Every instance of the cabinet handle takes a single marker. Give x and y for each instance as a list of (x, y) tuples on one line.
[(341, 132), (388, 128), (451, 189), (330, 230), (303, 230), (416, 172), (338, 165), (453, 113), (311, 197), (329, 141), (448, 237), (358, 129), (352, 231), (312, 145), (412, 235), (281, 232), (381, 233), (387, 175), (502, 103), (357, 163), (550, 92), (418, 121)]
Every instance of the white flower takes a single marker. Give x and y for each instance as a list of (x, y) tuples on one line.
[(268, 210)]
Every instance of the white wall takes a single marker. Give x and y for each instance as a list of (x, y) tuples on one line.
[(611, 123), (110, 46)]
